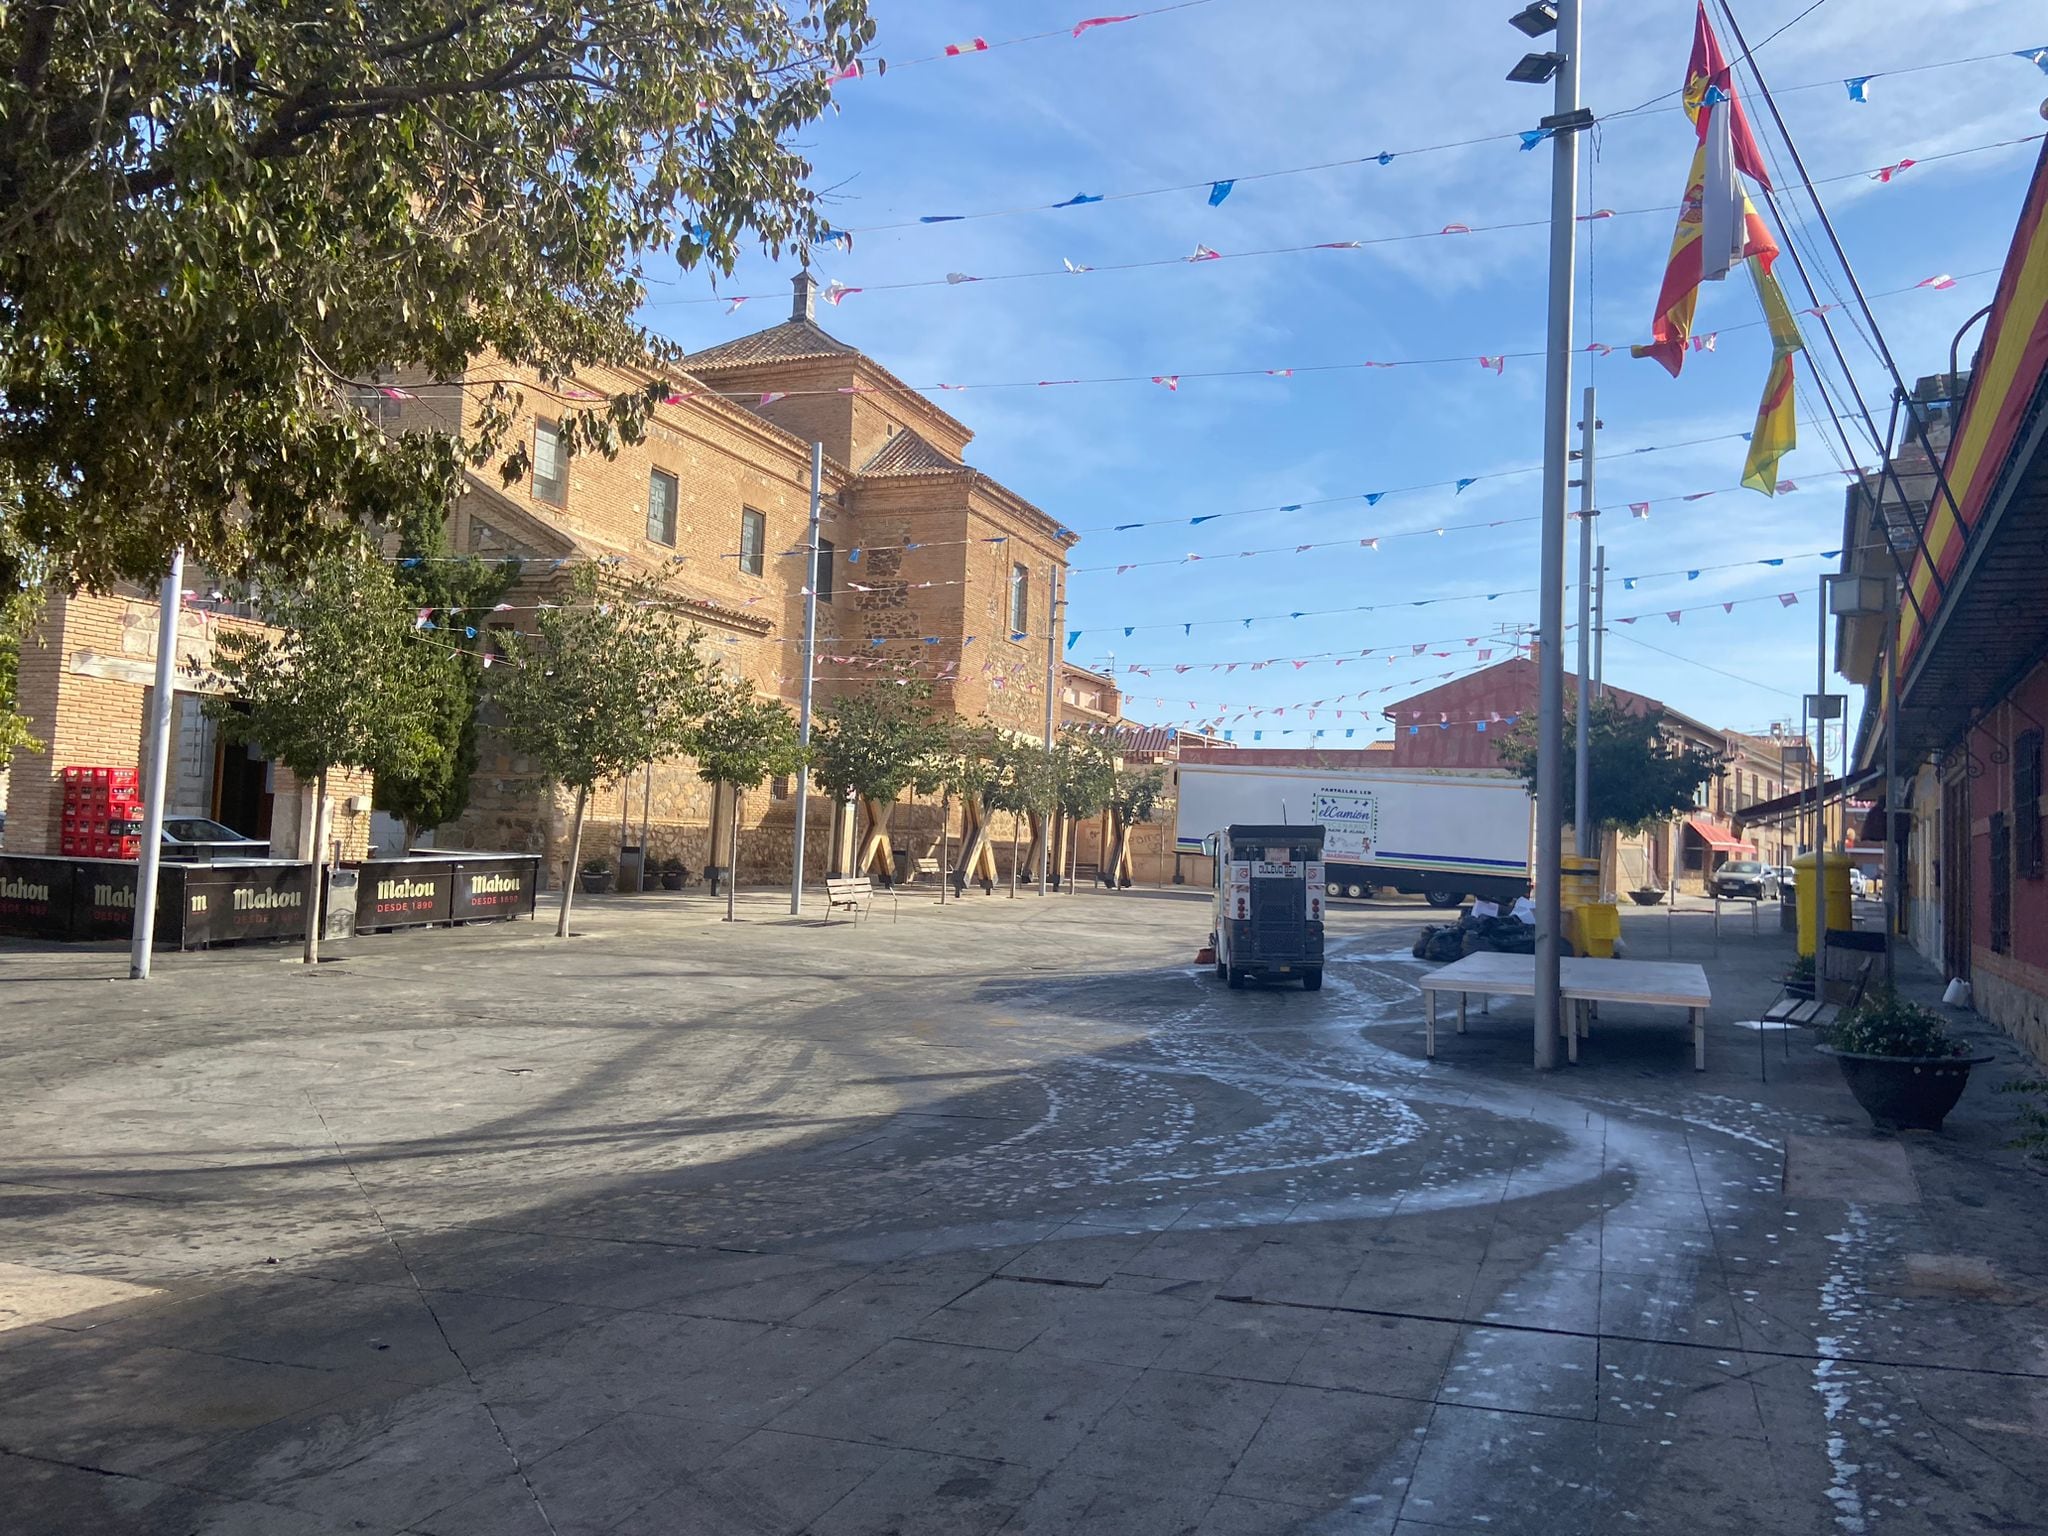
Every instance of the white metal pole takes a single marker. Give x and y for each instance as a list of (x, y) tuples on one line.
[(803, 726), (1557, 387), (1600, 620), (155, 771), (1820, 803), (1052, 653), (1582, 769)]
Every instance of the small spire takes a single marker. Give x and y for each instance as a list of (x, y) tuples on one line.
[(805, 303)]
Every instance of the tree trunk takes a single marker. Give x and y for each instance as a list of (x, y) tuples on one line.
[(1035, 853), (1016, 837), (1120, 853), (569, 865), (732, 857), (975, 852), (875, 853), (945, 841), (316, 874)]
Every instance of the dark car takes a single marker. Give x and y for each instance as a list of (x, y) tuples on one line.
[(1741, 878)]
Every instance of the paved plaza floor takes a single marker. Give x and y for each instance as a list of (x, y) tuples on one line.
[(1001, 1217)]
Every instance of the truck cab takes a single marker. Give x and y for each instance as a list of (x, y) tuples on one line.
[(1269, 903)]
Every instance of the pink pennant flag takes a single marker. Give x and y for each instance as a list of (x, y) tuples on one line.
[(1599, 348), (1787, 485), (1417, 650), (1302, 549), (1182, 666), (1639, 509), (1498, 364), (1203, 253), (952, 386), (1122, 568), (1169, 380), (1624, 621), (1705, 343), (836, 291), (1597, 213), (1279, 373), (1368, 544), (1673, 614), (1887, 172), (1455, 229), (1075, 266), (1299, 665), (488, 658), (733, 307), (957, 278), (1370, 364), (972, 45), (1940, 280), (774, 395), (1337, 245), (1727, 607), (1101, 21), (1698, 496), (1788, 599), (395, 394), (1487, 655), (1819, 309), (677, 397), (851, 72)]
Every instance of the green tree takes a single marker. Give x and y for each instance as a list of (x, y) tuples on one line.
[(1027, 788), (873, 745), (970, 763), (1134, 797), (218, 221), (341, 680), (1084, 779), (1640, 772), (741, 739), (607, 684), (17, 614), (458, 594)]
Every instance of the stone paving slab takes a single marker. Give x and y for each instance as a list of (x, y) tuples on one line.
[(1003, 1218)]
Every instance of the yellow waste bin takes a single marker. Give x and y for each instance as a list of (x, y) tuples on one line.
[(1578, 880), (1595, 927), (1837, 900)]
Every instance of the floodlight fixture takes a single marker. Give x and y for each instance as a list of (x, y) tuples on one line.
[(1536, 68), (1535, 19)]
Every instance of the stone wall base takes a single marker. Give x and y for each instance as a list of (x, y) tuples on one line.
[(2014, 996)]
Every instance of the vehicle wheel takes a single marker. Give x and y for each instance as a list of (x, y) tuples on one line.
[(1236, 977), (1443, 899), (1222, 969), (1333, 891), (1357, 891), (1312, 981)]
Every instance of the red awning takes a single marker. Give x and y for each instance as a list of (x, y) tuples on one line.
[(1719, 839)]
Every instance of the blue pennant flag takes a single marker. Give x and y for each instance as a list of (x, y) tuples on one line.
[(1473, 480), (1126, 527), (839, 237), (1859, 87), (1230, 735), (1384, 158), (410, 561), (1187, 629), (876, 639), (1714, 96), (1072, 636), (1692, 575), (469, 631), (1531, 137), (1294, 615), (1220, 191), (1296, 507), (1770, 562), (1350, 733), (942, 218), (1493, 597), (1205, 518), (1481, 724), (1247, 623), (1077, 200), (1258, 735), (700, 234), (1127, 630), (1372, 498), (2035, 56), (1414, 730), (853, 555), (930, 639), (1628, 583), (1830, 554), (1018, 634)]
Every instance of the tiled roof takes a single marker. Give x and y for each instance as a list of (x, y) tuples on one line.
[(906, 453), (791, 340)]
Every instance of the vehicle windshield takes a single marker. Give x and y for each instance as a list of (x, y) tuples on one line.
[(197, 829), (1742, 867)]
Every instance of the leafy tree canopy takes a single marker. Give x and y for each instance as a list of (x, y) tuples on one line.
[(343, 681), (17, 614), (877, 742), (217, 219), (1640, 772), (741, 737), (1084, 773), (607, 684)]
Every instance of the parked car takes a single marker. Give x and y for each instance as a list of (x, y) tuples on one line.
[(196, 840), (1859, 884), (1740, 878)]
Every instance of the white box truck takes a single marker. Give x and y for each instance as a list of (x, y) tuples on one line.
[(1442, 836)]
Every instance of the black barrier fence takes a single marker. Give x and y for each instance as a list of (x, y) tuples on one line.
[(202, 904)]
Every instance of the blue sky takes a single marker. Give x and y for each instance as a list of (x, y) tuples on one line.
[(1231, 88)]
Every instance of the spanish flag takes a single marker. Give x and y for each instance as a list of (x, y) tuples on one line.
[(1777, 419), (1685, 268), (1706, 71)]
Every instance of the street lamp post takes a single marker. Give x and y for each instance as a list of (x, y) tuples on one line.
[(1560, 64)]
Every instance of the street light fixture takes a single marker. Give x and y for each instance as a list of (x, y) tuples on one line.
[(1536, 19), (1537, 68)]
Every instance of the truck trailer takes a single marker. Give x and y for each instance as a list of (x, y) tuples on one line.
[(1442, 836)]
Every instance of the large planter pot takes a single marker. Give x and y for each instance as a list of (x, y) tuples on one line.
[(597, 885), (672, 882), (1905, 1093), (1646, 898)]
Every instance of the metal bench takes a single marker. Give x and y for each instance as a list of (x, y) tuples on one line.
[(854, 893)]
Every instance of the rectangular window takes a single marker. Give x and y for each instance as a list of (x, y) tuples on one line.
[(827, 550), (753, 542), (2001, 884), (1020, 600), (2027, 852), (661, 507), (550, 463)]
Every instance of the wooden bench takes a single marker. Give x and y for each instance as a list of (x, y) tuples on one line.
[(1814, 1012), (854, 893)]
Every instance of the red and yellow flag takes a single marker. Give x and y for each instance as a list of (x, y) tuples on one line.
[(1678, 296), (1777, 418), (1708, 68)]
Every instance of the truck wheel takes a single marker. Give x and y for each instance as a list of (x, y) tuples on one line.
[(1312, 981), (1334, 890), (1357, 892), (1442, 898), (1222, 968), (1235, 976)]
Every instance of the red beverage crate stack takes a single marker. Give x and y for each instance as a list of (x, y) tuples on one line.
[(102, 811)]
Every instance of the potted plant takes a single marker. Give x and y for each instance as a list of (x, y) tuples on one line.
[(1799, 978), (597, 876), (1900, 1061), (673, 873), (1646, 896)]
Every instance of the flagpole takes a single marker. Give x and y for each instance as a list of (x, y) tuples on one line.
[(1557, 388)]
